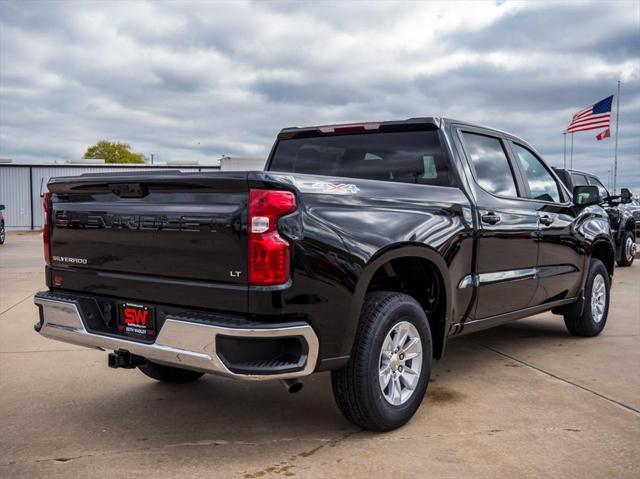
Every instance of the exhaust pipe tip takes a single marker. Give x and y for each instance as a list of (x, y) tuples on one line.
[(292, 385)]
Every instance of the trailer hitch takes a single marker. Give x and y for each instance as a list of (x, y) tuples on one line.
[(121, 358)]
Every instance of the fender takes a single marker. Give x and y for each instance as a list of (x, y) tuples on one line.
[(575, 309), (610, 245), (381, 257), (624, 218)]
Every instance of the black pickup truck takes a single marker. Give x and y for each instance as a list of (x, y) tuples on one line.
[(361, 249), (623, 223)]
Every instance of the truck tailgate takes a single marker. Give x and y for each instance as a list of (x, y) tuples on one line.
[(133, 231)]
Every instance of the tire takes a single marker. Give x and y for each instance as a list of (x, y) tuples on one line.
[(168, 374), (628, 253), (590, 322), (357, 387), (2, 233)]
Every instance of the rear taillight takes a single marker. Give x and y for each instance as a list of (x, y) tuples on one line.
[(269, 253), (46, 228)]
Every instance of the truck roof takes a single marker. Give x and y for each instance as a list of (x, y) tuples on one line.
[(409, 123), (580, 172)]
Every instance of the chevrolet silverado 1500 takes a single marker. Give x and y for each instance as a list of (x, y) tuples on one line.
[(623, 224), (361, 249)]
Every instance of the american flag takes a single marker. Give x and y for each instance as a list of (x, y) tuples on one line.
[(595, 117)]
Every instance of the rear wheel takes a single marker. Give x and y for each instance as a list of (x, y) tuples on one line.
[(596, 306), (628, 249), (383, 384), (168, 374), (2, 233)]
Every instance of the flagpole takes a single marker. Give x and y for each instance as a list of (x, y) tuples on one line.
[(615, 155), (572, 150), (564, 158)]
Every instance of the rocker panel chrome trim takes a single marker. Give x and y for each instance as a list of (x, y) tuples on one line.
[(476, 280)]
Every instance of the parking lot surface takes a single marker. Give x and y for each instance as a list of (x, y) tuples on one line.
[(522, 400)]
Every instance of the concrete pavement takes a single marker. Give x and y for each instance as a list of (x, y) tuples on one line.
[(522, 400)]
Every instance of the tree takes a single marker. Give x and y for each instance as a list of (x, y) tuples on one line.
[(113, 152)]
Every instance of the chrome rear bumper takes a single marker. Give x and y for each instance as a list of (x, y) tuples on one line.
[(180, 343)]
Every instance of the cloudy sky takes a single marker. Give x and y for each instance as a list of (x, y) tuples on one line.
[(195, 80)]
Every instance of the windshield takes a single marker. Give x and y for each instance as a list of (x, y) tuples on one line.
[(406, 157)]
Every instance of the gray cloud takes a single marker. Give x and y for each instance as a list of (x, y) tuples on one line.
[(194, 80)]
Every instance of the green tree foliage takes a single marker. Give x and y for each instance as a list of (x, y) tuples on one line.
[(113, 152)]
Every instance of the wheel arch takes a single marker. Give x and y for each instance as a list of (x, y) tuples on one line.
[(630, 225), (603, 249), (627, 226), (379, 262)]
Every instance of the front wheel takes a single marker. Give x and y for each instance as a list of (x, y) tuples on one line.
[(596, 305), (383, 384), (628, 249), (2, 233), (168, 374)]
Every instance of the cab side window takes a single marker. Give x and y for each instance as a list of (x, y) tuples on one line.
[(489, 160), (541, 183), (578, 180)]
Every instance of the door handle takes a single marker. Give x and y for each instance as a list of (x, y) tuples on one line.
[(546, 220), (490, 218)]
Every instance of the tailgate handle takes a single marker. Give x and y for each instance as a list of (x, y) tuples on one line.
[(129, 190)]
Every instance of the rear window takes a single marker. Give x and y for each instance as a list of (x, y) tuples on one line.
[(405, 157)]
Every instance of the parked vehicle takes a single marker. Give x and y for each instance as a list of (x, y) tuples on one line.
[(623, 223), (3, 232), (634, 209), (361, 249)]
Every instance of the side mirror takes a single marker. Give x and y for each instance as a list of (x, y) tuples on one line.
[(586, 195), (625, 195)]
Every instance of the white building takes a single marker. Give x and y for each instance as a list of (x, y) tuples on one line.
[(23, 185), (242, 163)]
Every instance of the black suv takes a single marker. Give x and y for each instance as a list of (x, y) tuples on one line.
[(623, 222)]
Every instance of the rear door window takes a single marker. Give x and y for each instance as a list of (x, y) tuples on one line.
[(405, 157), (490, 163)]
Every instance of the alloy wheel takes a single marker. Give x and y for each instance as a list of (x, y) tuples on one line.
[(630, 249), (400, 363), (598, 298)]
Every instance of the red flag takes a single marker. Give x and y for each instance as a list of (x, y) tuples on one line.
[(605, 134)]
